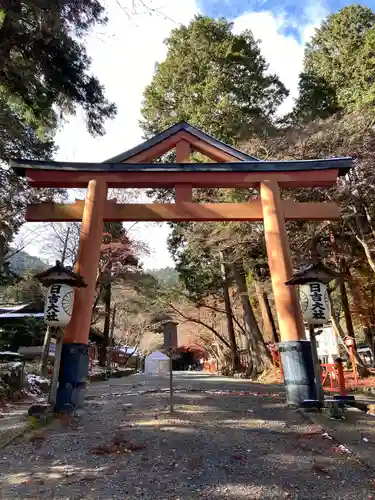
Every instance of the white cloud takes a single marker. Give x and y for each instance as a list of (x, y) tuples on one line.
[(315, 12), (124, 54), (284, 53)]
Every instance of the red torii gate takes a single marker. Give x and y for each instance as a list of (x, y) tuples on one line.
[(234, 169)]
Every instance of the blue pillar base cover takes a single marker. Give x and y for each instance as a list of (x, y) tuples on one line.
[(74, 367), (298, 371)]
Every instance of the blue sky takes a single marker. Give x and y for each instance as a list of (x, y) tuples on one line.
[(292, 8), (293, 11)]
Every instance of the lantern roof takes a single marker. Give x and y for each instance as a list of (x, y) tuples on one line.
[(317, 272), (58, 274)]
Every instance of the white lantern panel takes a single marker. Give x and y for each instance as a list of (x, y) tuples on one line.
[(315, 303), (58, 306)]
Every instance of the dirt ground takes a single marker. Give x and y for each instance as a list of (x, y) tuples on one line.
[(228, 439)]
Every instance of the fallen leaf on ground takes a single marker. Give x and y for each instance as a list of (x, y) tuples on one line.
[(118, 446), (103, 450), (135, 446), (309, 435), (119, 439), (319, 469), (37, 439)]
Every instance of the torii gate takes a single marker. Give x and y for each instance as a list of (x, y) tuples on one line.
[(233, 169)]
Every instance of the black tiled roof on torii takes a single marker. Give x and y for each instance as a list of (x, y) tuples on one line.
[(245, 163)]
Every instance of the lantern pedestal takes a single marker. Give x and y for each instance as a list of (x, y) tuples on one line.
[(74, 368), (298, 371)]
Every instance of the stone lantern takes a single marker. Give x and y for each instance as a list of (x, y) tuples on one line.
[(60, 283)]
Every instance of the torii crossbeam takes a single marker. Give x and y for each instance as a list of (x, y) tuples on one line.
[(135, 169)]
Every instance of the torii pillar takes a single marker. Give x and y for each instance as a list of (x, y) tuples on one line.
[(74, 355), (295, 350)]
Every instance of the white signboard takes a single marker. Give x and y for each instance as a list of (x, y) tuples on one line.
[(170, 335), (52, 347), (315, 303), (58, 305), (328, 344)]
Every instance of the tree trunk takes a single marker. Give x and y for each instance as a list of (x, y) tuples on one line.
[(269, 327), (364, 228), (111, 339), (228, 311), (362, 370), (344, 300), (107, 320), (221, 357), (367, 251), (9, 29), (261, 356), (360, 308), (2, 252), (343, 294)]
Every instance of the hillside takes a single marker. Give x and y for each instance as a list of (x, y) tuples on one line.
[(166, 275), (21, 262)]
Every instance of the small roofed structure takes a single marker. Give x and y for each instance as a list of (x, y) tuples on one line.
[(315, 272), (157, 363), (58, 274), (34, 309)]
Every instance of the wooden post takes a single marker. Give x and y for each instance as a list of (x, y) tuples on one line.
[(341, 377), (183, 151), (318, 376), (184, 192), (45, 352), (74, 356), (56, 368), (353, 362), (110, 351), (170, 351)]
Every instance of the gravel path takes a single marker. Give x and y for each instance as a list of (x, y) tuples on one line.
[(227, 440), (13, 421)]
